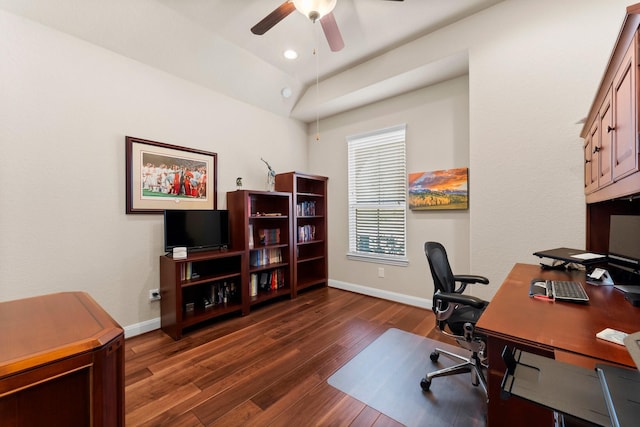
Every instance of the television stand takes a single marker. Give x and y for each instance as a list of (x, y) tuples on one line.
[(200, 287)]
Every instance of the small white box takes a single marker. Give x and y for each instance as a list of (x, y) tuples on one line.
[(179, 252)]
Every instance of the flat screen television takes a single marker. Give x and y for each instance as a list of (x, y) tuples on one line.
[(624, 241), (197, 230)]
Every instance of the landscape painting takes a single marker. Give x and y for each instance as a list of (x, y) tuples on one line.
[(440, 189)]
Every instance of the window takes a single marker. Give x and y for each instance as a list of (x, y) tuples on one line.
[(377, 196)]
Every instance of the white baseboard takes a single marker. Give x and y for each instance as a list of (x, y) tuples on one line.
[(379, 293), (142, 327), (153, 324)]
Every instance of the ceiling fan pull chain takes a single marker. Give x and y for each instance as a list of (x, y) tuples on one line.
[(316, 53)]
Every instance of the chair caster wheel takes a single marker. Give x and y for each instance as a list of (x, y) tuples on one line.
[(425, 384), (434, 356)]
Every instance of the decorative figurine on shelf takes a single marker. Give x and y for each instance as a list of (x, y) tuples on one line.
[(239, 183), (271, 176)]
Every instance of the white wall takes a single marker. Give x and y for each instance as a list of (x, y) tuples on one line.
[(65, 109), (534, 68), (437, 120)]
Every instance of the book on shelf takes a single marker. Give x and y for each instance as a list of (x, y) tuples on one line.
[(269, 236), (221, 293), (253, 284), (306, 233), (250, 236), (265, 256), (266, 281), (306, 209), (278, 279), (186, 271), (263, 284)]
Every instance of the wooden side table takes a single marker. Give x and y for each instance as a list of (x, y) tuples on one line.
[(61, 362)]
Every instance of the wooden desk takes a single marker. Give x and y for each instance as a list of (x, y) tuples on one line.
[(560, 330), (61, 363)]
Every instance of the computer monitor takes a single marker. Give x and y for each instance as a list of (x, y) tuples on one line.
[(624, 242)]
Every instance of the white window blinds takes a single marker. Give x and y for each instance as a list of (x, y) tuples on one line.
[(377, 195)]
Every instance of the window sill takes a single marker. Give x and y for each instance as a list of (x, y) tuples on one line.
[(401, 261)]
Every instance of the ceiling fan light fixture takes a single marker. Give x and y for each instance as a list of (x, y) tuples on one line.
[(314, 9)]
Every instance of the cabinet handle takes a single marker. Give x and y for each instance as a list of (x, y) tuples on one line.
[(609, 129), (595, 150), (587, 161)]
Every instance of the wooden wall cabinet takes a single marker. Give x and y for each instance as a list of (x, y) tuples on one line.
[(260, 225), (625, 111), (309, 198), (598, 147), (203, 286), (612, 168), (611, 152)]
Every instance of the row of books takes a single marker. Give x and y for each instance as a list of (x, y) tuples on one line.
[(187, 272), (306, 209), (265, 256), (269, 236), (218, 293), (266, 281), (266, 236), (306, 233)]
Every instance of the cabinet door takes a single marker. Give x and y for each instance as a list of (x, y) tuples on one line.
[(591, 159), (605, 143), (625, 155)]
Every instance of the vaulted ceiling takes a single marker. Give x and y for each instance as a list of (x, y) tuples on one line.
[(209, 42)]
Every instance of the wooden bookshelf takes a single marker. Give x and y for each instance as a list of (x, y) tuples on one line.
[(203, 286), (260, 225), (309, 209)]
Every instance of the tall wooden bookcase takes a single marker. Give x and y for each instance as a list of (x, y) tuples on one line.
[(309, 200), (260, 225)]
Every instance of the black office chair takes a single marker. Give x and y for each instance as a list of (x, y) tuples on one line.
[(456, 316)]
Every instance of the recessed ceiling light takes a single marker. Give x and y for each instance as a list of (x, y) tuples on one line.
[(290, 54)]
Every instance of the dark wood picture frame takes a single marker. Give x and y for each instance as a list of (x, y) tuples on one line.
[(162, 176)]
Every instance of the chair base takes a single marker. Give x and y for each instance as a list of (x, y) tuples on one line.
[(472, 364)]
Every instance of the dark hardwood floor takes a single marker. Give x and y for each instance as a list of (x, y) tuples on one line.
[(267, 368)]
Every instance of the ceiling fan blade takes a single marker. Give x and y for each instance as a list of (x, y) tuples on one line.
[(331, 32), (273, 18)]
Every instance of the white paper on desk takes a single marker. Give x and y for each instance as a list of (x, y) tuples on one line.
[(587, 255), (612, 335)]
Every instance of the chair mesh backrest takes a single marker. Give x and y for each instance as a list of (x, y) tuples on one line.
[(440, 269)]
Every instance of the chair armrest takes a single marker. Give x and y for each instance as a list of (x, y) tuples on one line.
[(469, 278), (468, 300)]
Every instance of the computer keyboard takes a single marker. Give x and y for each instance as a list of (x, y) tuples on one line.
[(568, 291)]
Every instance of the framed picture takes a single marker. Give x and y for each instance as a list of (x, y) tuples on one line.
[(440, 189), (162, 176)]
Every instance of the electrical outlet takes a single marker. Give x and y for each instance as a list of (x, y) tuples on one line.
[(380, 271), (154, 294)]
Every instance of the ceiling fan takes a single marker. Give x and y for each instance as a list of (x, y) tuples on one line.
[(315, 10)]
